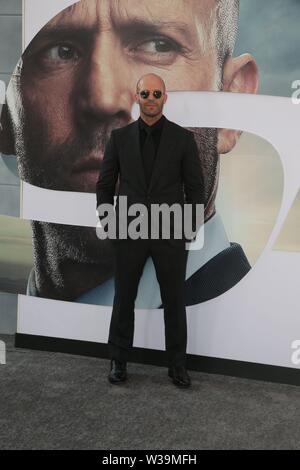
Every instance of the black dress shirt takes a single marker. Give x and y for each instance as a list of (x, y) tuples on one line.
[(156, 132)]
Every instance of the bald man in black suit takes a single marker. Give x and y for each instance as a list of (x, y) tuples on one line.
[(157, 161)]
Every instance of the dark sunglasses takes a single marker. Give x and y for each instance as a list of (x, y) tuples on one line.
[(156, 93)]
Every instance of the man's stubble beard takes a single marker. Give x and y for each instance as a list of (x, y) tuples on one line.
[(68, 260), (207, 144), (158, 112), (53, 170)]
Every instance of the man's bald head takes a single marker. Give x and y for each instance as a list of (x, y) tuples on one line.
[(151, 108), (150, 80)]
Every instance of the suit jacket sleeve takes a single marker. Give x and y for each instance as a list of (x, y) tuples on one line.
[(106, 184), (193, 178)]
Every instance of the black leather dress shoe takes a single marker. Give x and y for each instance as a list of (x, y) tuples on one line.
[(118, 372), (179, 376)]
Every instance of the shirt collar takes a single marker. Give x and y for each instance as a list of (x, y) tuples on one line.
[(156, 126)]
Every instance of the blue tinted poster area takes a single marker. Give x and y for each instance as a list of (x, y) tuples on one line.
[(247, 145)]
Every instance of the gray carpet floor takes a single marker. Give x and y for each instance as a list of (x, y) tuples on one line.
[(61, 401)]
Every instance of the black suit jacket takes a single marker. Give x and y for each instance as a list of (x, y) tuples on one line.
[(176, 177)]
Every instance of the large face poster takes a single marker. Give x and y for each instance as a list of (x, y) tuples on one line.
[(75, 83)]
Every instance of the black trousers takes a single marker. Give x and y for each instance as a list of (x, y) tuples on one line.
[(169, 261)]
